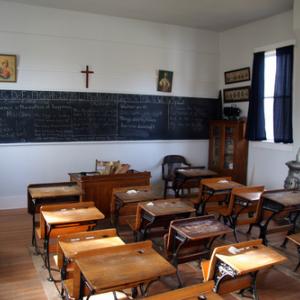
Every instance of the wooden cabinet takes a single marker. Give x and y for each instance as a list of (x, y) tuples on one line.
[(98, 188), (228, 149)]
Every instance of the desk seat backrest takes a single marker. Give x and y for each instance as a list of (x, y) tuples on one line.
[(83, 236), (57, 207), (246, 189)]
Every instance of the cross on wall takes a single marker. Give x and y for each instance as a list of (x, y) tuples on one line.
[(87, 72)]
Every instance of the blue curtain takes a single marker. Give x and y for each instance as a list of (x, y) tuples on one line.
[(283, 106), (256, 118)]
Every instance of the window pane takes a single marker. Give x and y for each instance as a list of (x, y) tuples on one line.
[(270, 73)]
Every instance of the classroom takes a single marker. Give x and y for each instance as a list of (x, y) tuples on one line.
[(159, 127)]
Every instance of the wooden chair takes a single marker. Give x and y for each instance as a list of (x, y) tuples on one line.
[(213, 203), (295, 238), (232, 212), (130, 210), (70, 228), (227, 285), (69, 246), (169, 164)]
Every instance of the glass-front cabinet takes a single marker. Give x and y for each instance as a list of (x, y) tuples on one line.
[(228, 149)]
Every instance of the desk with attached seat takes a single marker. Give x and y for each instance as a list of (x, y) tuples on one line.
[(276, 203), (212, 187), (189, 177), (192, 238), (78, 215), (160, 213), (50, 193), (117, 268), (130, 197)]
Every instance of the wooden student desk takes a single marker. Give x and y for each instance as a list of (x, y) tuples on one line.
[(126, 198), (277, 202), (216, 188), (64, 217), (120, 267), (193, 292), (200, 231), (50, 193), (193, 174), (249, 260), (160, 213), (70, 246)]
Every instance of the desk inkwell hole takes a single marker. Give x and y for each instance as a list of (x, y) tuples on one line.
[(141, 251), (202, 297)]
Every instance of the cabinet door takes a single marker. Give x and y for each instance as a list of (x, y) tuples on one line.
[(229, 147), (216, 147)]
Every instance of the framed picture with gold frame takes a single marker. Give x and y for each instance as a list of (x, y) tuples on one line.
[(238, 94), (8, 68), (238, 75)]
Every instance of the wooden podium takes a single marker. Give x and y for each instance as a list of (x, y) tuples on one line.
[(98, 188)]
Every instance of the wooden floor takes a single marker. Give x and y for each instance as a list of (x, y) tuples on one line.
[(19, 279)]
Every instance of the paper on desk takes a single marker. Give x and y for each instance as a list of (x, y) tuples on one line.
[(223, 181), (131, 192)]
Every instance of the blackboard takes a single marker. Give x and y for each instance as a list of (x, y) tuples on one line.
[(42, 116)]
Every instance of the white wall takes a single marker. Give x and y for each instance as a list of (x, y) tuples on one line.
[(266, 162), (52, 47)]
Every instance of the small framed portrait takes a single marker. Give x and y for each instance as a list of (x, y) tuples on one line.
[(239, 94), (165, 79), (8, 68), (237, 75)]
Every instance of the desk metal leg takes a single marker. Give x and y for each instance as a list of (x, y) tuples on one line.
[(292, 220)]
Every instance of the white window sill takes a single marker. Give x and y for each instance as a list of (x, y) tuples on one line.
[(273, 146)]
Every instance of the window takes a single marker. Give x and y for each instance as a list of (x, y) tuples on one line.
[(269, 86), (271, 104)]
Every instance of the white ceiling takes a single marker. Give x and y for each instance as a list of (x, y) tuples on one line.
[(217, 15)]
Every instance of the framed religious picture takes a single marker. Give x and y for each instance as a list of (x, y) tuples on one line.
[(8, 68), (238, 94), (238, 75), (165, 79)]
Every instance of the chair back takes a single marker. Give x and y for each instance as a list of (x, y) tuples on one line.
[(235, 191), (170, 163)]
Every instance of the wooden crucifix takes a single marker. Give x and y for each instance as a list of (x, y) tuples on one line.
[(87, 72)]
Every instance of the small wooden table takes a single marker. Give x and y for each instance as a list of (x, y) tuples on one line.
[(249, 260), (193, 174), (216, 188), (47, 193), (54, 219), (276, 202), (122, 267), (160, 213), (193, 292), (130, 197)]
